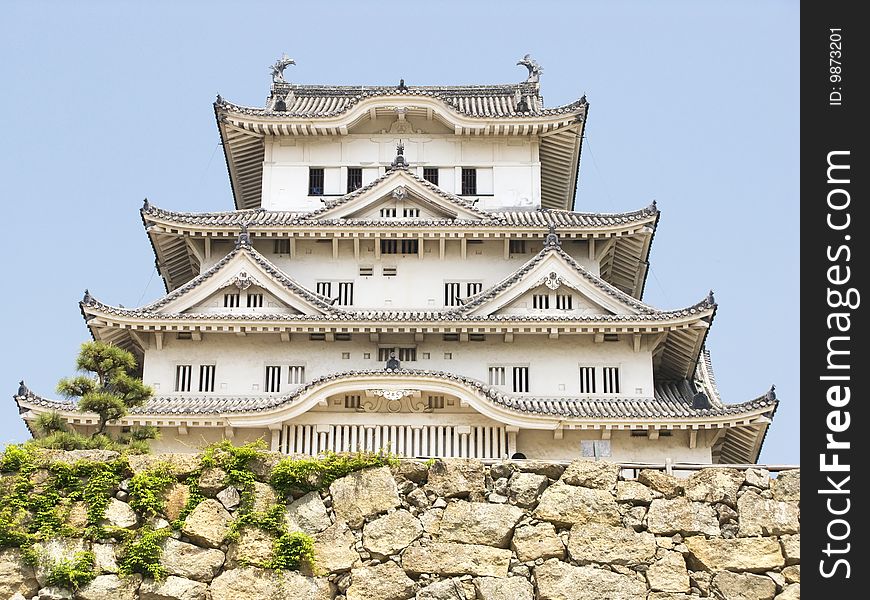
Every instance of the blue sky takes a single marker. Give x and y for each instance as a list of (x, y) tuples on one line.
[(693, 104)]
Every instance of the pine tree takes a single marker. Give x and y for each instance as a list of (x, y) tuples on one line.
[(110, 390)]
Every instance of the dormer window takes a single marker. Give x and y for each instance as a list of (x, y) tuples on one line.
[(411, 212), (354, 179), (388, 213)]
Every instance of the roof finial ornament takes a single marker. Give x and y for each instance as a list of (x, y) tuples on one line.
[(552, 239), (244, 237), (87, 299), (534, 68), (710, 298), (279, 66), (146, 206), (399, 162), (23, 390), (653, 206), (402, 87), (771, 393), (393, 363)]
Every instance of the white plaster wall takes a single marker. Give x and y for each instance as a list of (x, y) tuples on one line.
[(240, 361), (419, 282), (198, 438), (624, 448), (511, 164)]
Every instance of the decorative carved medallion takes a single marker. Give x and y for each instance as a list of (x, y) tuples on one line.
[(243, 281), (553, 281), (395, 400), (400, 193)]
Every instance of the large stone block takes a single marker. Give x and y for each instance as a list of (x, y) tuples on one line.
[(174, 500), (254, 547), (499, 588), (173, 588), (667, 485), (15, 576), (479, 523), (595, 542), (744, 586), (787, 486), (714, 485), (364, 494), (190, 561), (635, 492), (763, 516), (180, 465), (307, 514), (755, 555), (391, 533), (531, 542), (119, 514), (560, 581), (525, 489), (791, 548), (386, 581), (668, 573), (446, 589), (111, 587), (251, 583), (566, 505), (667, 517), (456, 478), (334, 548), (447, 558), (592, 474), (207, 524)]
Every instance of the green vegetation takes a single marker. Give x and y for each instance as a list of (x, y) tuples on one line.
[(110, 390), (38, 496), (73, 573), (307, 474)]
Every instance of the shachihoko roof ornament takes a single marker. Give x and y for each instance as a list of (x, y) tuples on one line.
[(535, 70), (279, 66), (244, 238), (552, 239)]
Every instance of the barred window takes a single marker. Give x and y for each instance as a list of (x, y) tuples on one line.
[(206, 378), (295, 374), (472, 288), (521, 379), (469, 182), (255, 300), (611, 380), (354, 178), (273, 378), (389, 271), (384, 354), (436, 402), (451, 294), (366, 271), (407, 354), (324, 288), (564, 301), (231, 300), (497, 375), (281, 246), (541, 301), (430, 174), (352, 401), (587, 380), (517, 246), (389, 246), (388, 213), (182, 378), (315, 181), (345, 293), (410, 246), (410, 212)]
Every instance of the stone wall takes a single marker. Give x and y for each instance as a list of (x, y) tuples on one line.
[(460, 530)]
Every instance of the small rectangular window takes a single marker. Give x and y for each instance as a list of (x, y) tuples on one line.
[(352, 401), (451, 294), (476, 337), (324, 288), (389, 271), (496, 375), (451, 337), (407, 354), (611, 380), (587, 380), (281, 246), (411, 212), (564, 301), (255, 300), (639, 433), (315, 181), (273, 379), (388, 213), (611, 337), (430, 174), (345, 293), (472, 288), (366, 271), (345, 356), (389, 246), (469, 182), (517, 246), (317, 337), (206, 378), (354, 179), (342, 337), (231, 300), (436, 402), (295, 374), (521, 379), (541, 301), (184, 335), (448, 356), (182, 378)]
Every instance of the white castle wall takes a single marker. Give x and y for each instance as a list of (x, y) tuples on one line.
[(509, 176)]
